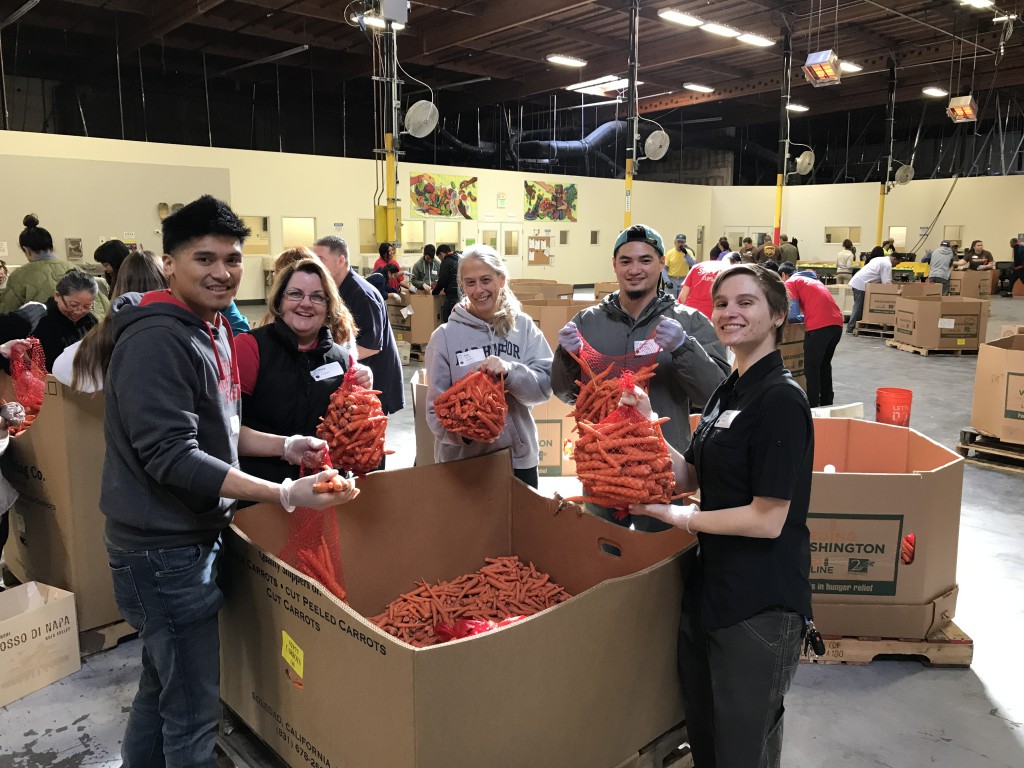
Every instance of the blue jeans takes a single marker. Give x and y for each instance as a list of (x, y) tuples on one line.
[(171, 597), (858, 310), (734, 680), (943, 281)]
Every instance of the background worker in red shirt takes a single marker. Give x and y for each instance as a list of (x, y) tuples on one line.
[(824, 322)]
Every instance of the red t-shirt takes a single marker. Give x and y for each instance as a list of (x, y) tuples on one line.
[(699, 280), (395, 280), (819, 308)]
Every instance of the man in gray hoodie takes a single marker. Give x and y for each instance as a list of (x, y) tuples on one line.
[(170, 477), (941, 260), (639, 320)]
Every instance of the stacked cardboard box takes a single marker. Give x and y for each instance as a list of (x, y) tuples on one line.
[(323, 686), (38, 639), (551, 315), (880, 301), (548, 289), (998, 408), (970, 284), (792, 349), (424, 437), (56, 524), (414, 316), (843, 294), (941, 322), (603, 289), (888, 481)]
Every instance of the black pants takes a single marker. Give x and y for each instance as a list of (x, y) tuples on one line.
[(1015, 275), (447, 307), (530, 476), (734, 680), (819, 346)]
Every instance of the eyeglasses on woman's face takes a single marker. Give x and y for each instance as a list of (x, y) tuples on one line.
[(74, 306), (296, 295)]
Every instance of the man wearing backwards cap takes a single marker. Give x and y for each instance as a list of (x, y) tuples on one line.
[(691, 360), (678, 261), (941, 260)]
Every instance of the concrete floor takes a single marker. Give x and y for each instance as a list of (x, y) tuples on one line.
[(890, 713)]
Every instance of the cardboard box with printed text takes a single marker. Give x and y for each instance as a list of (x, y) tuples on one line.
[(323, 686), (38, 639), (880, 299), (970, 284), (56, 524), (888, 481), (998, 408), (941, 322)]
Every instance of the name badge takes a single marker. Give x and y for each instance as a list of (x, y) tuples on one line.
[(470, 356), (328, 371), (726, 419), (646, 347), (236, 425)]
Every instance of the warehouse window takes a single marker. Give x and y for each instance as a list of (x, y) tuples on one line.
[(594, 236), (898, 235), (563, 237), (838, 234)]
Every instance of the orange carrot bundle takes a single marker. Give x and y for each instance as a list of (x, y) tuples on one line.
[(354, 428), (474, 406), (623, 462), (28, 377), (599, 392), (503, 588), (316, 562)]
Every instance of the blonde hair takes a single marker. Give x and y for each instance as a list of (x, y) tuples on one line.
[(508, 306), (338, 320)]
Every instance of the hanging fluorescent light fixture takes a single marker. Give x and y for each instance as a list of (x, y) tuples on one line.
[(962, 109), (565, 61), (591, 83), (720, 29), (849, 66), (370, 20), (752, 39), (678, 17), (977, 3), (698, 88), (822, 68), (934, 91), (794, 107)]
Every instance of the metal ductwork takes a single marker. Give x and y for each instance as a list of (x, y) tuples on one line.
[(605, 134)]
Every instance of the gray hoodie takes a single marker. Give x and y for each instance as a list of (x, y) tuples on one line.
[(528, 382), (941, 260)]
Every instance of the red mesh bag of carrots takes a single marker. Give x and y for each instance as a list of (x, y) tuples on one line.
[(474, 406), (623, 459), (354, 427), (601, 375), (501, 593), (314, 543), (28, 377)]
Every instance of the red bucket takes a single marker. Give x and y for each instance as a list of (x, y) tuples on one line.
[(892, 406)]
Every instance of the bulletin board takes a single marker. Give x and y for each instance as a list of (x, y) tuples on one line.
[(538, 251)]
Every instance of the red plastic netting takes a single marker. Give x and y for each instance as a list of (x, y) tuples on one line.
[(601, 375), (314, 544), (28, 377), (474, 406), (354, 427)]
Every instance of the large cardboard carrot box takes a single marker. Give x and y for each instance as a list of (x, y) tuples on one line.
[(998, 407), (880, 299), (888, 481), (941, 322), (56, 524), (581, 685), (38, 639)]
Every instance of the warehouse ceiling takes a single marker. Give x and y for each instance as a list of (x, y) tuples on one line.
[(491, 54)]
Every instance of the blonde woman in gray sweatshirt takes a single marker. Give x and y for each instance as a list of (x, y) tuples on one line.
[(487, 331)]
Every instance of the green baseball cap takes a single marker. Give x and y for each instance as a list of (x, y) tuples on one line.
[(640, 233)]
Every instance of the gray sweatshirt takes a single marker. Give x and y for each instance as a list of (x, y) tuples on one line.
[(690, 375), (941, 260), (456, 349)]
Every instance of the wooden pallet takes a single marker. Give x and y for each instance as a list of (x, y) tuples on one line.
[(877, 330), (949, 647), (904, 347), (101, 639), (990, 451)]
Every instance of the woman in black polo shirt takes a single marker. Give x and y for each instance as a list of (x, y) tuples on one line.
[(748, 594)]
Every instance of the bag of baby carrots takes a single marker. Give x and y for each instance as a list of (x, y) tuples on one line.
[(474, 406), (623, 459), (313, 545), (601, 375)]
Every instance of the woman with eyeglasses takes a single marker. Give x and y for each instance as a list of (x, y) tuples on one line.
[(68, 314), (290, 367)]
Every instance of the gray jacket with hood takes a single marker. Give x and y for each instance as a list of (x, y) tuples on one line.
[(941, 260), (528, 383), (691, 374), (173, 416)]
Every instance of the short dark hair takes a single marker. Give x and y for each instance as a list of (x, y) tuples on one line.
[(787, 268), (74, 281), (443, 249), (748, 240), (202, 217), (876, 252), (771, 285), (383, 249), (428, 249), (34, 237), (770, 265), (333, 243), (848, 244)]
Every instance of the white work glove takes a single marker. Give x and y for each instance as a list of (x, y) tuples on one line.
[(669, 335), (15, 348), (569, 338), (412, 289), (304, 451), (362, 376), (12, 414), (300, 493)]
